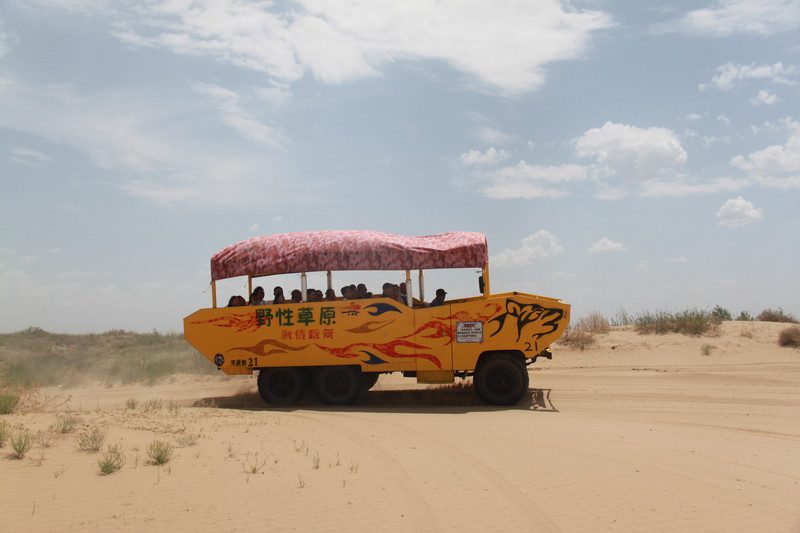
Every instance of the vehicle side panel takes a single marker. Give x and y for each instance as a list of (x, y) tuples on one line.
[(379, 334)]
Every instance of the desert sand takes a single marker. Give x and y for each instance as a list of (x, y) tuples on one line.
[(635, 433)]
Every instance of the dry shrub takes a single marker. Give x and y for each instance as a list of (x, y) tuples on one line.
[(776, 315), (687, 322), (576, 339), (790, 337), (594, 323)]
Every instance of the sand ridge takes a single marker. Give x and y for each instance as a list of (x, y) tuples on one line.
[(640, 433)]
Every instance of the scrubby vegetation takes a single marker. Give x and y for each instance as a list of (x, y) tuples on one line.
[(34, 357), (687, 322), (581, 332), (790, 337), (776, 315)]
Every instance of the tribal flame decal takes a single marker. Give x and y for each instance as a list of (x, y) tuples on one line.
[(369, 327), (261, 348), (389, 349), (239, 323), (445, 326)]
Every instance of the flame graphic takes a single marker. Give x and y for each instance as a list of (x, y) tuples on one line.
[(261, 348), (389, 349)]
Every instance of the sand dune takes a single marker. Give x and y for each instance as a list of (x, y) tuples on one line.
[(636, 433)]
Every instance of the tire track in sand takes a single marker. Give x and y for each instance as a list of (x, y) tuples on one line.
[(498, 495)]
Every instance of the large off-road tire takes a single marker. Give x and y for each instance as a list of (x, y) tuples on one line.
[(368, 380), (337, 385), (501, 379), (282, 385)]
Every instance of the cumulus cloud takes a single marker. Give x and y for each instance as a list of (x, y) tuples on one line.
[(764, 98), (738, 212), (777, 165), (489, 157), (531, 181), (632, 153), (341, 41), (606, 245), (540, 246), (729, 74), (729, 17)]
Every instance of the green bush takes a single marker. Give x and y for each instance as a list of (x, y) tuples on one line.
[(112, 459), (91, 440), (688, 322), (160, 452), (720, 314), (20, 444), (5, 432), (8, 402)]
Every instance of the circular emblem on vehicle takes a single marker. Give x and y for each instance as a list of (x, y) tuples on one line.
[(219, 359)]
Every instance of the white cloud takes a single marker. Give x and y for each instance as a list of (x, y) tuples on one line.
[(633, 154), (29, 157), (728, 17), (490, 135), (725, 120), (764, 98), (227, 102), (777, 165), (730, 73), (738, 212), (606, 245), (540, 246), (340, 41), (531, 181), (489, 157), (679, 188)]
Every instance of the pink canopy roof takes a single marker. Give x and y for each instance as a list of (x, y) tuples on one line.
[(318, 251)]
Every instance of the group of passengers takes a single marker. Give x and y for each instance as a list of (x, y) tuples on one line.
[(349, 292)]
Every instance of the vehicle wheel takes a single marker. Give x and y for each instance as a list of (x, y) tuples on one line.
[(368, 380), (501, 379), (282, 385), (337, 385)]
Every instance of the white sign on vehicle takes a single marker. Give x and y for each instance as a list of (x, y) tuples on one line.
[(469, 332)]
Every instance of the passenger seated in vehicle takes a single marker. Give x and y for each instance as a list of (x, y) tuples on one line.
[(277, 292), (297, 296), (439, 300), (390, 290), (362, 292), (348, 293), (257, 298), (314, 295), (237, 301), (330, 295)]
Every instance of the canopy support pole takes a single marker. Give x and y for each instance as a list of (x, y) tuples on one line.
[(421, 286), (409, 297), (213, 294), (486, 290), (249, 287), (330, 280), (304, 286)]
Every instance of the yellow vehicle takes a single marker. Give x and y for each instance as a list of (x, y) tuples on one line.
[(339, 347)]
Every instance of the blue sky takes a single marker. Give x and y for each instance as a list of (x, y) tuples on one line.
[(617, 155)]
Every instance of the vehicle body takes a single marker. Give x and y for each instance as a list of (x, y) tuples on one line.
[(338, 348)]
